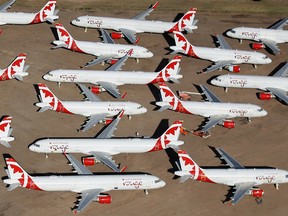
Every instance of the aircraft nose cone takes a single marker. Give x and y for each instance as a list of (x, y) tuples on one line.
[(264, 113), (162, 183), (144, 110), (149, 54), (32, 147), (269, 60), (229, 33), (73, 22), (45, 77), (213, 82)]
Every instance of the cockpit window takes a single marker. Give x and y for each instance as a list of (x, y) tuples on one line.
[(77, 20), (286, 176), (140, 107), (232, 31), (260, 110), (218, 79), (157, 180), (36, 145), (265, 57)]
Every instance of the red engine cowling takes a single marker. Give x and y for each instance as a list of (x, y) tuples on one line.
[(88, 161), (234, 68), (107, 121), (112, 61), (107, 199), (228, 124), (116, 35), (97, 89), (266, 96), (257, 193), (257, 46)]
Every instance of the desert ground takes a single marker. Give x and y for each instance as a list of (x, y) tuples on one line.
[(263, 142)]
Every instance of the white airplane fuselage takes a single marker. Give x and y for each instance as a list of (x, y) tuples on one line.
[(257, 34), (107, 49), (231, 176), (88, 108), (16, 18), (207, 109), (250, 81), (86, 146), (79, 183), (115, 77), (237, 56), (119, 23)]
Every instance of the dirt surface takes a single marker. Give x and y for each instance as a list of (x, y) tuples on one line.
[(260, 143)]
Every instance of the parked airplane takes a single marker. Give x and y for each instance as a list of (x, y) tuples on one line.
[(215, 111), (137, 24), (275, 86), (16, 70), (93, 108), (111, 78), (102, 148), (223, 56), (105, 51), (90, 186), (5, 131), (46, 14), (266, 38), (242, 179)]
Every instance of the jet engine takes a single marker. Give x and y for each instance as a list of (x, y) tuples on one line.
[(106, 121), (257, 46), (234, 68), (103, 199), (97, 89), (89, 161), (116, 35), (266, 96), (256, 192), (228, 124)]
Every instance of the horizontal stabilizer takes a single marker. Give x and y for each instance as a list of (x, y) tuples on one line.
[(43, 109), (13, 186), (184, 178), (174, 147), (5, 143), (172, 79), (18, 77), (26, 68), (165, 107), (60, 46)]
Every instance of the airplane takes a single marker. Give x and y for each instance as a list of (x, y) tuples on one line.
[(275, 85), (106, 51), (46, 14), (16, 70), (90, 186), (215, 111), (266, 38), (109, 79), (5, 131), (101, 148), (137, 24), (223, 56), (244, 180), (93, 108)]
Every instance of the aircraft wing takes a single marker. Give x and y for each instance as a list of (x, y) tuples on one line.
[(279, 93), (212, 121), (88, 94), (279, 25), (241, 190), (282, 72), (222, 42), (117, 66), (111, 88), (6, 6), (129, 34), (106, 37), (98, 60), (229, 160), (92, 120), (217, 65), (109, 130), (142, 15), (209, 95), (106, 159), (272, 45), (81, 170), (87, 196)]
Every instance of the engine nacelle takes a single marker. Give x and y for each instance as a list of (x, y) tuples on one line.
[(104, 199), (89, 161), (234, 68), (228, 124), (258, 193), (112, 61), (97, 89), (266, 96), (106, 121), (257, 46), (116, 35)]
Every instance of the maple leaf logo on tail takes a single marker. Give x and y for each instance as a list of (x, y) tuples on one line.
[(17, 66), (186, 21), (46, 11), (17, 173)]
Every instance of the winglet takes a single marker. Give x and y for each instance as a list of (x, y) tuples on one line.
[(123, 169), (124, 95), (155, 5)]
